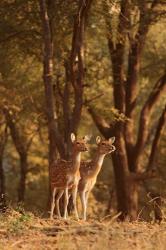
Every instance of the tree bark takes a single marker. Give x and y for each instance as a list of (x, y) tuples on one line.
[(3, 141), (22, 145), (23, 173), (2, 187), (121, 187), (55, 139), (120, 161), (120, 164), (133, 191)]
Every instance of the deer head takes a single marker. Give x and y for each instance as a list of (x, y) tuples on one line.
[(80, 145), (105, 146)]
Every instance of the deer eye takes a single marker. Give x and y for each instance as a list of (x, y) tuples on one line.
[(78, 143), (103, 143)]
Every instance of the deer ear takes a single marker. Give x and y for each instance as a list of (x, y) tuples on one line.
[(111, 140), (87, 137), (98, 139), (73, 137)]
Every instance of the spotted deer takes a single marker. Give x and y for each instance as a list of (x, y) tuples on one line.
[(65, 176), (89, 170)]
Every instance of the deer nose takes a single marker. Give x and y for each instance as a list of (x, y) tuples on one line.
[(85, 149)]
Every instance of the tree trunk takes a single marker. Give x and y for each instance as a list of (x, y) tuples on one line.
[(121, 189), (55, 139), (23, 172), (133, 189), (22, 145), (2, 188), (75, 74), (3, 140), (125, 102), (121, 172), (127, 181)]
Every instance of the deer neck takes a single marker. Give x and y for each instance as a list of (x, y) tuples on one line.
[(97, 163), (76, 159)]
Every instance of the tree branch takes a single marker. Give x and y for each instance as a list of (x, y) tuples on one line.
[(19, 141), (143, 176), (9, 37), (101, 123), (145, 116), (66, 105), (87, 102), (158, 133)]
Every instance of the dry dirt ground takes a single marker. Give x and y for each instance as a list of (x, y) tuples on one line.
[(25, 231)]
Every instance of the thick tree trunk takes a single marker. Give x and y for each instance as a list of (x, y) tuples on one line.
[(133, 192), (121, 188), (120, 162), (22, 182), (121, 172)]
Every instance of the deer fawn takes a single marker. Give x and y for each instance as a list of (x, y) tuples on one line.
[(90, 170), (65, 175)]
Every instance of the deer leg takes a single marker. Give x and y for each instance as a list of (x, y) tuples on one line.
[(83, 202), (59, 195), (67, 213), (74, 196), (66, 200), (86, 197), (53, 203)]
